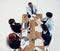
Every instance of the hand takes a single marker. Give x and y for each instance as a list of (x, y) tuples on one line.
[(33, 15), (22, 28), (43, 40)]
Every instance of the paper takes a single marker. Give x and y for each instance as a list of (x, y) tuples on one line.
[(38, 42), (38, 21), (38, 28), (33, 15), (37, 49), (31, 18), (24, 33), (23, 25), (24, 43)]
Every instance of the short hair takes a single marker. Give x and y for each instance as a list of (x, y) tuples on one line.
[(11, 21), (29, 3), (49, 14), (44, 27)]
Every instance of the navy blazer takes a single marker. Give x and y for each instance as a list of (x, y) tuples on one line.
[(16, 28)]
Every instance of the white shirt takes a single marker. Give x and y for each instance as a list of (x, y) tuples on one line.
[(28, 10), (49, 23)]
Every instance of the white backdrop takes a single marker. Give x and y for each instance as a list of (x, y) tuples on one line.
[(15, 9)]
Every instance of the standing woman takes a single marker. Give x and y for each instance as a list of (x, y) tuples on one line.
[(46, 36)]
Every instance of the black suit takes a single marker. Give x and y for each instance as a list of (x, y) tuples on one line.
[(16, 28)]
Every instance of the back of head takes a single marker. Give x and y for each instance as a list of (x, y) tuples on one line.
[(11, 21), (11, 37), (44, 27), (49, 14), (12, 41)]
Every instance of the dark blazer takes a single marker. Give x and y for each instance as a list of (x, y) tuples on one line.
[(14, 44), (16, 28), (47, 38)]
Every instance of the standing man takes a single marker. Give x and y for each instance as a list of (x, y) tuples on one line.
[(31, 10)]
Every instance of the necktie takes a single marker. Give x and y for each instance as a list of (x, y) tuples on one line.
[(47, 20), (32, 10)]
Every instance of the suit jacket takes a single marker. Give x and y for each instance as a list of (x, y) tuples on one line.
[(16, 28)]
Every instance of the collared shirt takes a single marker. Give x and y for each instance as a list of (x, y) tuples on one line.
[(30, 10), (49, 23)]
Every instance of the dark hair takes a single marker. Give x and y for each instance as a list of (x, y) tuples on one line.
[(11, 37), (29, 3), (44, 27), (49, 14), (11, 21)]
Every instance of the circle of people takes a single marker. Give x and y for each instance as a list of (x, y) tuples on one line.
[(46, 26)]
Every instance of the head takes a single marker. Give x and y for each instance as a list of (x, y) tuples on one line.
[(12, 36), (44, 27), (49, 14), (11, 21), (30, 4)]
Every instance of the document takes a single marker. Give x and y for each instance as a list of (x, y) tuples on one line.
[(24, 33), (38, 42), (38, 28), (32, 17), (24, 43), (37, 49)]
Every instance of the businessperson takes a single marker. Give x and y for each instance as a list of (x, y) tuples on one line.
[(31, 10), (16, 27), (48, 21), (46, 36)]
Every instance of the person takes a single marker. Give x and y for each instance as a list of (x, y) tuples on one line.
[(48, 20), (13, 41), (31, 9), (37, 25), (16, 27), (46, 35)]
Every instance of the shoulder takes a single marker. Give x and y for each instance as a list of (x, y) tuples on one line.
[(48, 32), (50, 21), (34, 6), (17, 23), (44, 19), (27, 7), (17, 37)]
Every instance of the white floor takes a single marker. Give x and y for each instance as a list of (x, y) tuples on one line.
[(15, 9)]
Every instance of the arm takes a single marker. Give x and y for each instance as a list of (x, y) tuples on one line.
[(35, 10), (42, 38), (44, 20), (28, 11)]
